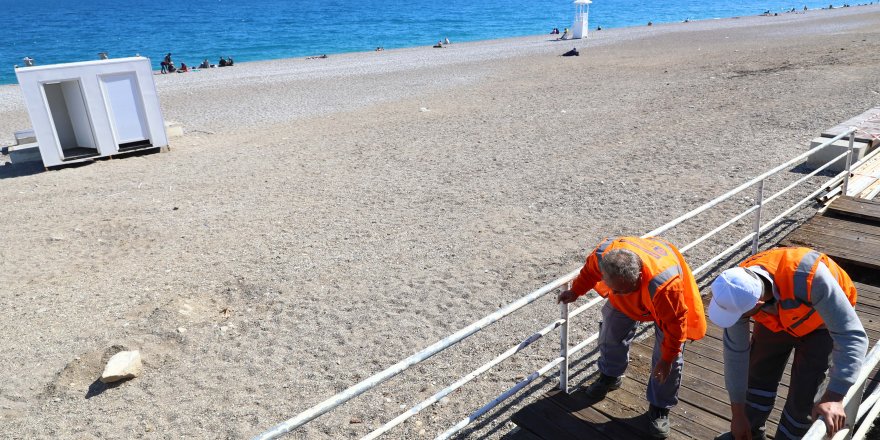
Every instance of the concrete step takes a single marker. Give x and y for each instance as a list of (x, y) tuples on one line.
[(838, 147)]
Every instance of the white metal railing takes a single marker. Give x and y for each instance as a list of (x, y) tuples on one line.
[(818, 430), (567, 352)]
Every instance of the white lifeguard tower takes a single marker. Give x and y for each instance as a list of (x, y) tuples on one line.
[(581, 18)]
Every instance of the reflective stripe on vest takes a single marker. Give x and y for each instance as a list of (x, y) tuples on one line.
[(600, 251), (799, 283), (661, 278), (802, 320), (804, 269)]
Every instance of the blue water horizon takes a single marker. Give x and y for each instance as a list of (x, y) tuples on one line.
[(59, 31)]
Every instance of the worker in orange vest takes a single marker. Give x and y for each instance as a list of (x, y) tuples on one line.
[(645, 280), (800, 300)]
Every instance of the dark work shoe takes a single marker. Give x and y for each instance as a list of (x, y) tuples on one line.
[(601, 386), (659, 422)]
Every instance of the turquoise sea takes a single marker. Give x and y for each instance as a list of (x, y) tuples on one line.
[(55, 31)]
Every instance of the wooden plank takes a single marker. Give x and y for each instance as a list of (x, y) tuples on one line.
[(867, 289), (685, 418), (695, 395), (861, 208), (548, 419), (624, 412), (868, 236), (841, 250), (629, 405), (520, 433), (586, 409), (820, 221)]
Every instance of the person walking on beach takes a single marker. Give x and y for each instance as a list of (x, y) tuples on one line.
[(645, 280), (800, 300)]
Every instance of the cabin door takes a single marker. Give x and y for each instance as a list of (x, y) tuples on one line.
[(126, 109)]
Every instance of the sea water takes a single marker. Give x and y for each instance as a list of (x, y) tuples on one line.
[(58, 31)]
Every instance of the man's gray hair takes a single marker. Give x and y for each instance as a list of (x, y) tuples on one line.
[(621, 264)]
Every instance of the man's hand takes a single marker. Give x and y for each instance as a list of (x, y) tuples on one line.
[(739, 423), (830, 408), (661, 371), (566, 296)]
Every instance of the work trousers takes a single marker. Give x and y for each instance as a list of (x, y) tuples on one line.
[(615, 337), (768, 356)]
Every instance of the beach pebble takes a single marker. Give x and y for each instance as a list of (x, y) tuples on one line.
[(181, 329), (123, 365), (443, 402), (424, 109), (355, 420)]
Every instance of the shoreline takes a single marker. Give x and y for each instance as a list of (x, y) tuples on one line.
[(412, 59), (677, 26), (514, 38)]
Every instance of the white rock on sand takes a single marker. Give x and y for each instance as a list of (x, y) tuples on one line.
[(123, 365)]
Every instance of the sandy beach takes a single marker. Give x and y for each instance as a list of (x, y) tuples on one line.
[(322, 219)]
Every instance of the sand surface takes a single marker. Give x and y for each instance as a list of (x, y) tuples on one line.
[(323, 219)]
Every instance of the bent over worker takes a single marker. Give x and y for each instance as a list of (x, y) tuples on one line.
[(645, 280), (800, 300)]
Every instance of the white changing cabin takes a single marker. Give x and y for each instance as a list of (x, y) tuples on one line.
[(84, 110)]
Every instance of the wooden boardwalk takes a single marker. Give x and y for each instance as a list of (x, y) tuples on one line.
[(849, 232)]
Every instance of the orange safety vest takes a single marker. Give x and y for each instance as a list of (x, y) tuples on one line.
[(793, 269), (661, 264)]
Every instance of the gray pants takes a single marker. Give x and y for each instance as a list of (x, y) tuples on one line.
[(615, 336), (767, 359)]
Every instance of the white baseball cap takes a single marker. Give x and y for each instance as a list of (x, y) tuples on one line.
[(734, 292)]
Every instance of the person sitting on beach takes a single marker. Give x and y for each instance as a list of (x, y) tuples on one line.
[(572, 53), (446, 41), (566, 34), (439, 44), (229, 61), (171, 68), (183, 68), (222, 62), (205, 64), (379, 49)]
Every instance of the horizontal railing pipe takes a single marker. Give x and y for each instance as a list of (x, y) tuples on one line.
[(745, 186), (464, 380), (818, 430), (395, 369), (740, 216), (378, 378), (839, 178), (513, 390), (718, 229), (504, 396)]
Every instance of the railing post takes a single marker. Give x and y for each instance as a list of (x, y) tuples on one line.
[(851, 409), (849, 155), (759, 199), (563, 345)]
